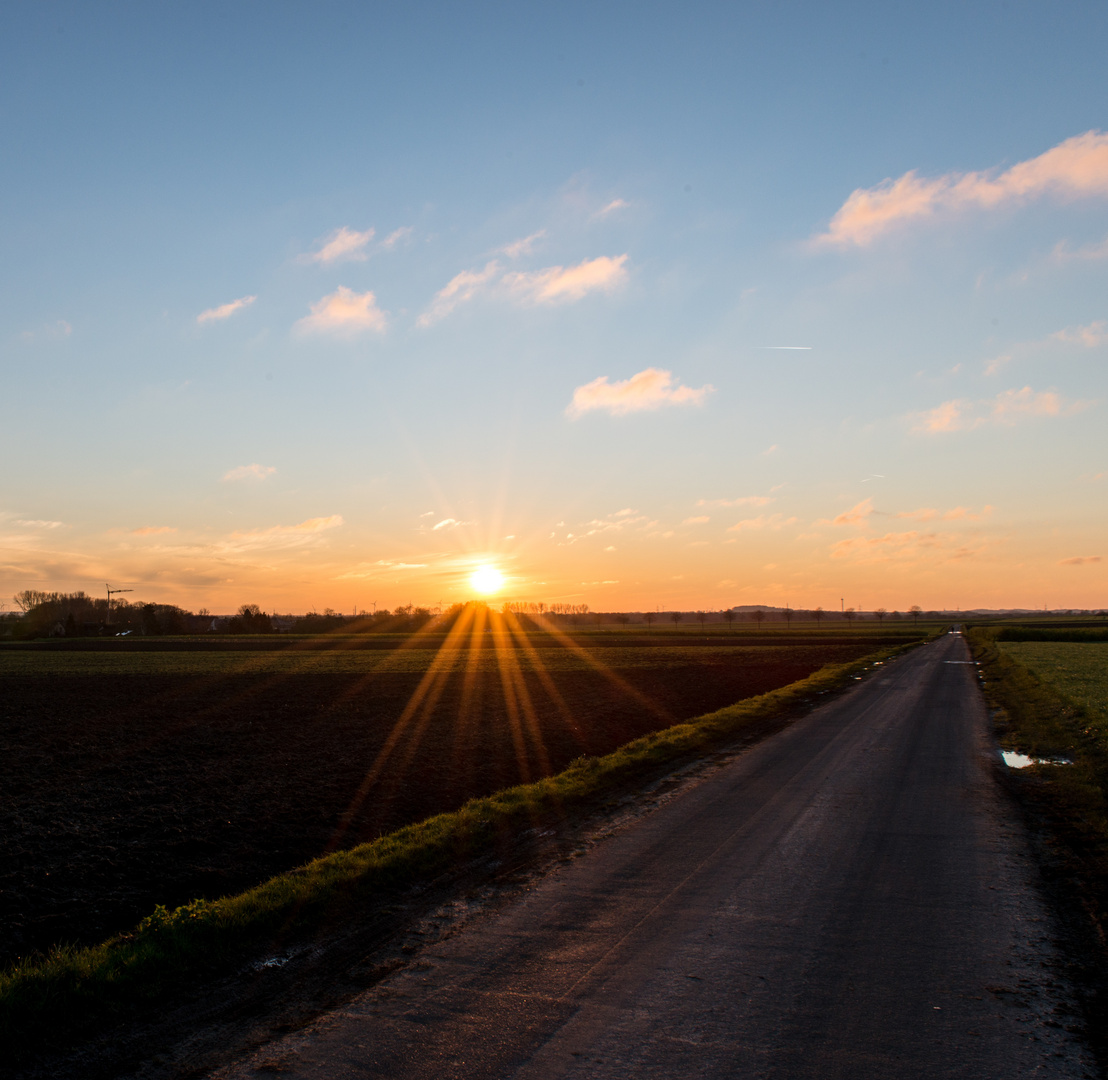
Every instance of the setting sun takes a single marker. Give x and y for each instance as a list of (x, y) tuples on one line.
[(486, 580)]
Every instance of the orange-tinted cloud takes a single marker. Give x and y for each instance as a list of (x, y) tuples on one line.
[(460, 288), (745, 500), (342, 245), (152, 530), (1080, 560), (1073, 169), (1007, 408), (557, 284), (343, 313), (1096, 333), (857, 515), (225, 311), (762, 521), (645, 391), (959, 513)]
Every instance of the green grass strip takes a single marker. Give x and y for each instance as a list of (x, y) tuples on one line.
[(72, 991)]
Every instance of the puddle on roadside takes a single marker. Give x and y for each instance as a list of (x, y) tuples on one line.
[(1021, 761)]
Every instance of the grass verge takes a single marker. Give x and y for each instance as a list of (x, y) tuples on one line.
[(51, 1000), (1067, 805)]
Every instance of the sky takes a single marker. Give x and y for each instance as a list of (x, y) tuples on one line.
[(641, 305)]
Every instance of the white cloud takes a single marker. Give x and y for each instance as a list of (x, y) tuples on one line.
[(446, 523), (647, 390), (37, 523), (250, 472), (225, 311), (1075, 168), (522, 247), (343, 245), (343, 313), (1007, 408)]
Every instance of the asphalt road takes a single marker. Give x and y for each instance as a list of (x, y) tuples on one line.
[(852, 897)]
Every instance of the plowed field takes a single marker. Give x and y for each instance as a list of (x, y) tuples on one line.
[(136, 777)]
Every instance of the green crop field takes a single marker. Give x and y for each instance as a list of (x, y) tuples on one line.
[(1078, 670)]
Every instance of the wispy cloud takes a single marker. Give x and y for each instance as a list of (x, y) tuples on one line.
[(459, 289), (910, 548), (365, 571), (1007, 408), (552, 285), (611, 208), (395, 237), (343, 313), (522, 247), (556, 284), (1096, 333), (153, 530), (250, 472), (283, 536), (959, 513), (1075, 168), (59, 328), (762, 521), (1064, 253), (225, 311), (38, 523), (857, 515), (701, 520), (343, 245), (1079, 560), (746, 500), (648, 390), (448, 523)]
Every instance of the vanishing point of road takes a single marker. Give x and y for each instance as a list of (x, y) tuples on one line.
[(853, 897)]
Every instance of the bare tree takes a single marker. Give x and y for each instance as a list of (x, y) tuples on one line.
[(729, 615), (676, 616), (849, 614), (818, 615), (915, 611), (758, 615), (788, 616), (648, 617), (880, 613), (702, 618)]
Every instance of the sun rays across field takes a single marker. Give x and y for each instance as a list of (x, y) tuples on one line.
[(488, 668)]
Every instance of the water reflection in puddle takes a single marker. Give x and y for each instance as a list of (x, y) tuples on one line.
[(1021, 761)]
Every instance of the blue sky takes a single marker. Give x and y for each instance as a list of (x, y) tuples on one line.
[(287, 287)]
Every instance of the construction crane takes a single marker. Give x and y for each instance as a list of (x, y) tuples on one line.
[(111, 593)]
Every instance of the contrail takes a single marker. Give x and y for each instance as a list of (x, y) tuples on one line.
[(806, 347)]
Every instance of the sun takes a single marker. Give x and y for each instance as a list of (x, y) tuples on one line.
[(486, 580)]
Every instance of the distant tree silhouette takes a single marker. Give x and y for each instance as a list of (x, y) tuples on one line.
[(758, 615), (880, 613), (915, 611), (676, 616), (729, 615), (818, 615), (702, 618), (648, 617)]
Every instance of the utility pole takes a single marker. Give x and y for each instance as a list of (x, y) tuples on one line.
[(111, 593)]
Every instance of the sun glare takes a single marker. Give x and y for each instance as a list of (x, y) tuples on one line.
[(486, 580)]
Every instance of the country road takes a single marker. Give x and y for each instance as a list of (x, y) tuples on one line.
[(852, 897)]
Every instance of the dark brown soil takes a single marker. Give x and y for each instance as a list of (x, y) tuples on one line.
[(118, 793)]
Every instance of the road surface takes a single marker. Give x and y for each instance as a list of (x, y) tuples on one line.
[(852, 897)]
